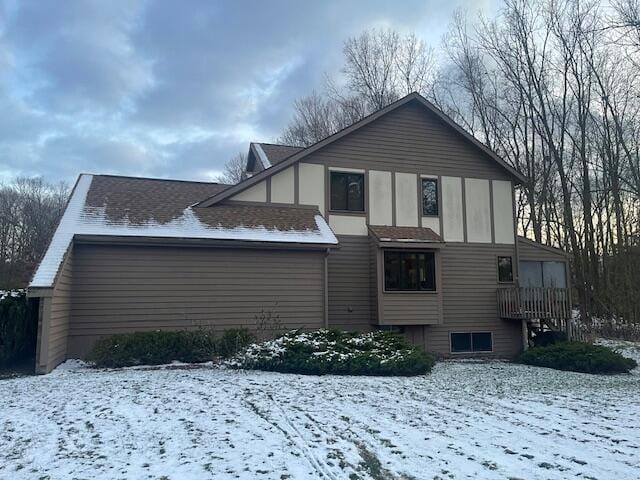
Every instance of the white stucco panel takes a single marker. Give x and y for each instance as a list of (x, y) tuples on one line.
[(311, 178), (406, 200), (380, 201), (503, 212), (257, 193), (431, 222), (348, 225), (282, 186), (478, 210), (452, 216)]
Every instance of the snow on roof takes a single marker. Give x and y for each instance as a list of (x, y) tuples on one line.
[(263, 156), (244, 223)]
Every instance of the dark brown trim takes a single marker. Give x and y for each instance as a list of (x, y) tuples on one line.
[(361, 123), (268, 188), (492, 217), (394, 203), (463, 191), (296, 184), (197, 242), (408, 245)]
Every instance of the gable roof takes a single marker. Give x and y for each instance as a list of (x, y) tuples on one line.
[(296, 157), (104, 205), (269, 154)]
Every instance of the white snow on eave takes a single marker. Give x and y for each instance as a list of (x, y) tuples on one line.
[(48, 268), (78, 220), (263, 156)]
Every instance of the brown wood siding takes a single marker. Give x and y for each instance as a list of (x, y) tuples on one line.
[(409, 139), (119, 289), (469, 278), (531, 252), (410, 308), (373, 279), (53, 328), (350, 284)]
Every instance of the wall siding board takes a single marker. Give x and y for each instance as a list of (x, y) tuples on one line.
[(469, 284), (146, 288), (410, 140), (350, 284), (56, 314)]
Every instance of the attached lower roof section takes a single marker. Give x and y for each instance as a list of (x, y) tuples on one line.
[(410, 237), (121, 207)]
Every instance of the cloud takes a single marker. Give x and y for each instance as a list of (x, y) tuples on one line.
[(164, 88)]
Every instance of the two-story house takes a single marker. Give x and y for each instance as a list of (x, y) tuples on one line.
[(401, 221)]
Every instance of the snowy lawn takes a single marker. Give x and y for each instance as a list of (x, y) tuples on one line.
[(465, 420)]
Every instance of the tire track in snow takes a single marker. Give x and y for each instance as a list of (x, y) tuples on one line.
[(293, 435)]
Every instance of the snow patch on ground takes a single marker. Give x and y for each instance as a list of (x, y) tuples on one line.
[(489, 420)]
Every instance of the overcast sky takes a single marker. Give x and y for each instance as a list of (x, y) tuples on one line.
[(170, 88)]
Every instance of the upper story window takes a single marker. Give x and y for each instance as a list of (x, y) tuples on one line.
[(505, 269), (429, 197), (409, 271), (347, 191)]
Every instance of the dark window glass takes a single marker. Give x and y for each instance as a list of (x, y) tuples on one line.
[(338, 191), (347, 191), (471, 342), (392, 270), (505, 269), (429, 196), (409, 271), (460, 342), (481, 342)]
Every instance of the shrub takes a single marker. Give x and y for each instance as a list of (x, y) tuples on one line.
[(153, 348), (338, 353), (18, 328), (233, 341), (544, 339), (578, 357)]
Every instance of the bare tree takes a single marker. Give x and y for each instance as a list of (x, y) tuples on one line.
[(234, 170), (29, 212), (314, 119)]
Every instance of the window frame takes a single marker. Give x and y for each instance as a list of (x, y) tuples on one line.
[(498, 257), (347, 174), (436, 182), (417, 290), (463, 352)]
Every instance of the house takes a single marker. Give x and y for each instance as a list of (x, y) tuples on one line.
[(402, 221)]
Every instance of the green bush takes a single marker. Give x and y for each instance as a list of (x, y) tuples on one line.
[(544, 339), (18, 328), (232, 341), (578, 357), (161, 347), (336, 352)]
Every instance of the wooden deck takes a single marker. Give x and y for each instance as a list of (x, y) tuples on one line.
[(534, 303)]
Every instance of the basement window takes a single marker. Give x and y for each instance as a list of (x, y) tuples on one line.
[(468, 342), (409, 271), (429, 197), (347, 191)]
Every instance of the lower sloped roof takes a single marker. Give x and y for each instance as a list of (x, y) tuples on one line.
[(134, 207), (404, 234)]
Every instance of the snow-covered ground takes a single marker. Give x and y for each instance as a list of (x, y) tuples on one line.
[(465, 420)]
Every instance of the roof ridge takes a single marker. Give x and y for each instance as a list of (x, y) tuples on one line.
[(279, 144), (156, 179)]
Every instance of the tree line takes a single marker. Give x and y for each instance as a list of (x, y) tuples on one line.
[(29, 212), (553, 87)]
